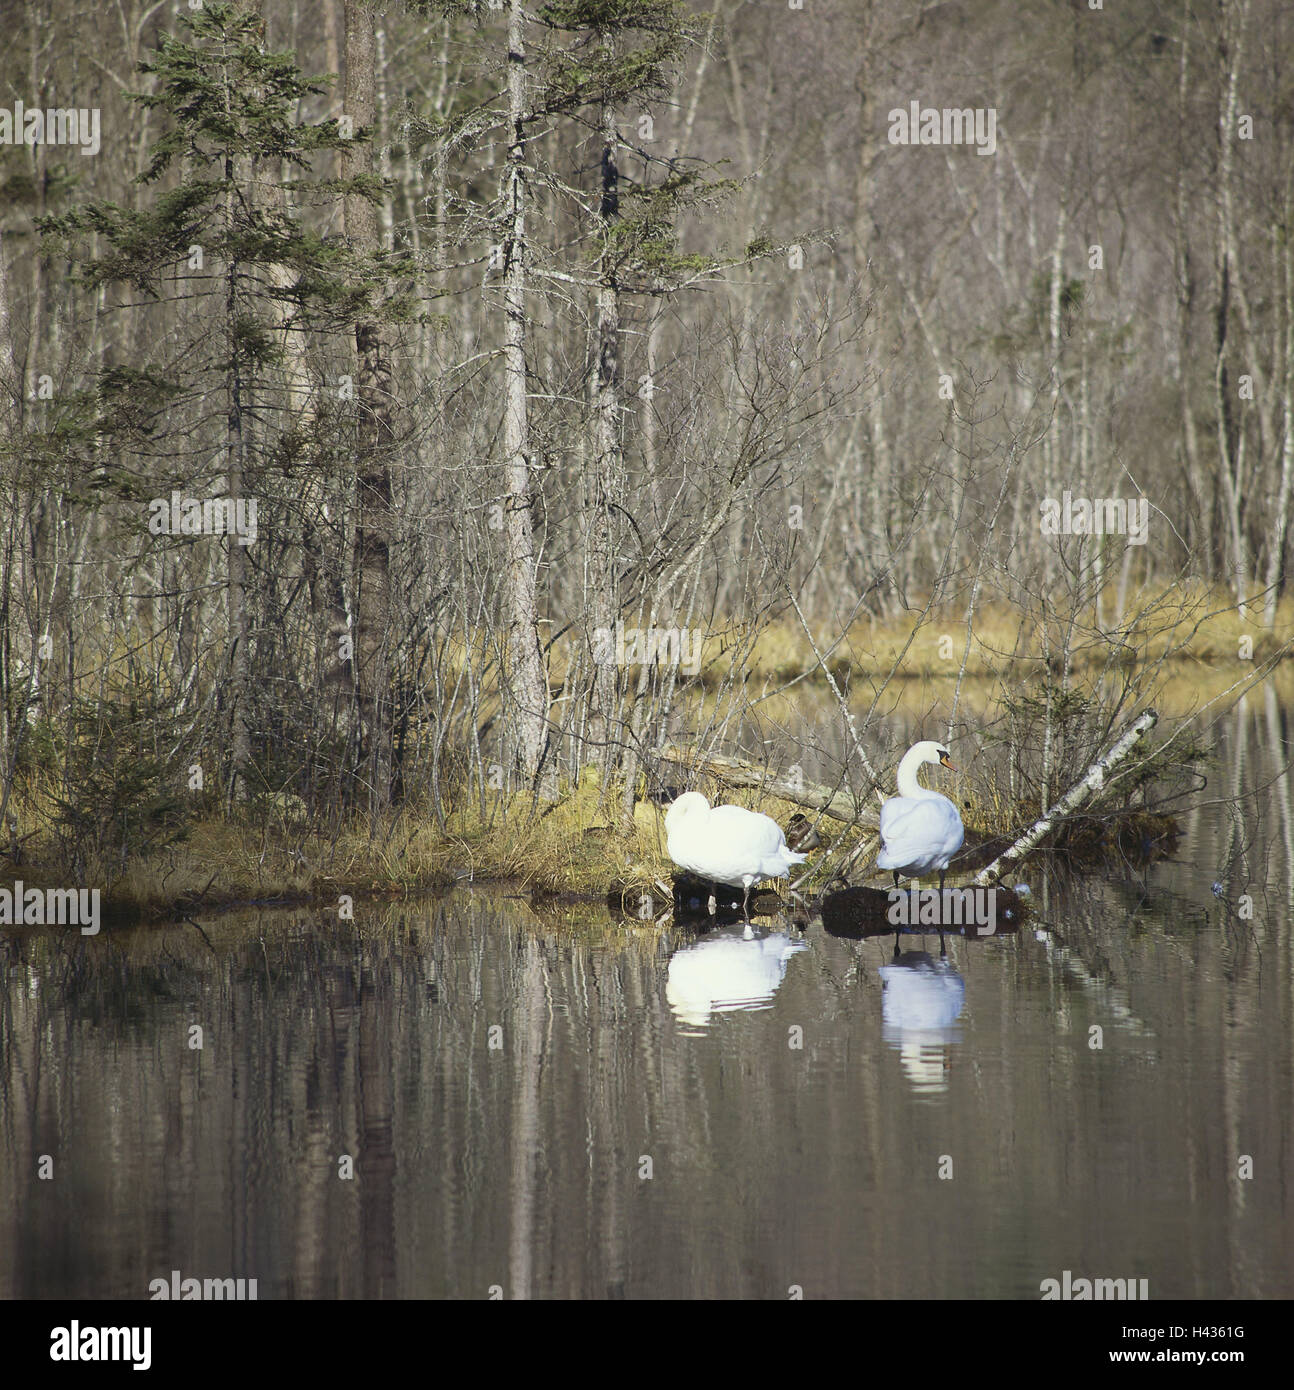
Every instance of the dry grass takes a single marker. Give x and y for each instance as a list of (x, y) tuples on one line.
[(576, 847), (573, 848), (1192, 626)]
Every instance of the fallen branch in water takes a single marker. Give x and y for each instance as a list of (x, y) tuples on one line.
[(1091, 782), (734, 772)]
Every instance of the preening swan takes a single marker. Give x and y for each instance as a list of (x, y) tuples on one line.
[(920, 829), (727, 844)]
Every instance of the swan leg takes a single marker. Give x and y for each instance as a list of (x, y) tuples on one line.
[(896, 877)]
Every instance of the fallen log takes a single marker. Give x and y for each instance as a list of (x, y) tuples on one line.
[(1092, 781), (862, 912), (734, 772)]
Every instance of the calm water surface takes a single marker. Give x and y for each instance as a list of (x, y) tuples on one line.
[(555, 1104)]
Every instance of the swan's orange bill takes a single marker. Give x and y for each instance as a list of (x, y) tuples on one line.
[(945, 763)]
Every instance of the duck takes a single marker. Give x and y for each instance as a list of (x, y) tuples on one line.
[(801, 833), (921, 830), (727, 844)]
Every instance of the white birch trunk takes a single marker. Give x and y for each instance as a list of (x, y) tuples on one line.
[(1082, 791)]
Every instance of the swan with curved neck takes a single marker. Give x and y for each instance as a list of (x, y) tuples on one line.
[(921, 829)]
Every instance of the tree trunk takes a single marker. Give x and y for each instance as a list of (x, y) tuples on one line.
[(605, 486), (1091, 782), (240, 740), (1280, 521), (1201, 533), (374, 438), (1228, 428), (526, 693)]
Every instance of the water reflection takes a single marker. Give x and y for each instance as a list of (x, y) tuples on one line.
[(730, 969), (922, 1000), (524, 1111)]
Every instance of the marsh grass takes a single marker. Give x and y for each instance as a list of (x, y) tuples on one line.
[(578, 848), (571, 850), (1192, 627), (1190, 624)]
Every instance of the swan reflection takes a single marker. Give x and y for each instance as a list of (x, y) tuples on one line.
[(921, 1002), (729, 969)]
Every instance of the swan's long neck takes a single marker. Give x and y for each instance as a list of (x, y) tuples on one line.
[(907, 778)]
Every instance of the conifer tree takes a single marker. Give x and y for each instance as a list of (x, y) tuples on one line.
[(220, 242)]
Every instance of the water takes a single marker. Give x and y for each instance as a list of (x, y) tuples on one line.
[(561, 1105)]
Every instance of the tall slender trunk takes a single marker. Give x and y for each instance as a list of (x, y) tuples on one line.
[(869, 513), (1203, 495), (323, 563), (1232, 16), (605, 486), (10, 398), (240, 738), (1052, 440), (374, 437), (526, 694), (332, 64), (1280, 521)]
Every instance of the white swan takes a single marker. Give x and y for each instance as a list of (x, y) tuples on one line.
[(920, 829), (727, 844)]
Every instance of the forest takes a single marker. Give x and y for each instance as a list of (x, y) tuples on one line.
[(425, 423)]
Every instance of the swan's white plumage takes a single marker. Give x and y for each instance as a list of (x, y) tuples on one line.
[(726, 844), (920, 829)]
